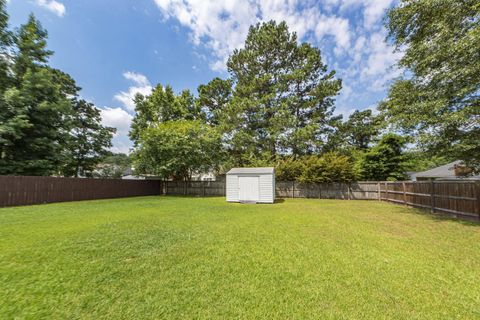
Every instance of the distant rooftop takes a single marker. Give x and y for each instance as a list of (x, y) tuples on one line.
[(446, 171), (251, 170)]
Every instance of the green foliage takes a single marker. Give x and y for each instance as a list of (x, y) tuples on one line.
[(5, 44), (31, 42), (439, 102), (289, 169), (283, 96), (213, 98), (113, 165), (87, 141), (361, 129), (35, 111), (163, 105), (385, 161), (329, 167), (417, 160), (177, 149), (44, 130)]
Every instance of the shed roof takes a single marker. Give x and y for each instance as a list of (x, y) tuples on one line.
[(251, 170)]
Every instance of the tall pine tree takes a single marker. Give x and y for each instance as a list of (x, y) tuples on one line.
[(36, 109), (283, 97), (87, 141), (5, 43)]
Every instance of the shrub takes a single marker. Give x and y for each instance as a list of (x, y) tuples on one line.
[(329, 167), (289, 169)]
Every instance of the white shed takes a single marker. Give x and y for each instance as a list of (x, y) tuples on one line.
[(251, 185)]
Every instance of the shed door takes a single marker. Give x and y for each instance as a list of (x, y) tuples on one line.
[(248, 189)]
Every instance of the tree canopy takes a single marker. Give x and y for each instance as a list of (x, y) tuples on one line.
[(178, 148), (283, 99), (44, 129), (438, 101)]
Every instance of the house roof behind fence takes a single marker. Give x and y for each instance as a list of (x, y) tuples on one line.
[(446, 171), (251, 170)]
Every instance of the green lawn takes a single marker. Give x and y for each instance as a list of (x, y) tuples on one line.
[(201, 258)]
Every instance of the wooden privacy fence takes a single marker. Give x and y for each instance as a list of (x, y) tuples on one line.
[(194, 188), (16, 191), (457, 198), (353, 191), (289, 189)]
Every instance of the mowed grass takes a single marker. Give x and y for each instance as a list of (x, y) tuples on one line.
[(203, 258)]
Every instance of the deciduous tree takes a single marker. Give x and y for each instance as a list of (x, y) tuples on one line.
[(177, 149), (438, 101)]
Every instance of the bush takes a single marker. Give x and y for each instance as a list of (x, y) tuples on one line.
[(329, 167), (289, 169)]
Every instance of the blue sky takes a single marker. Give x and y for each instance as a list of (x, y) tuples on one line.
[(115, 48)]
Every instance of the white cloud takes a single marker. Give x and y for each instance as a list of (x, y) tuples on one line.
[(349, 32), (137, 78), (336, 27), (381, 60), (117, 118), (121, 120), (373, 10), (140, 85), (52, 5), (222, 25)]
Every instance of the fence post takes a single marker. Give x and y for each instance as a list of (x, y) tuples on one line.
[(404, 193), (386, 191), (185, 187), (432, 198), (293, 189), (379, 191), (348, 192), (478, 199), (203, 188)]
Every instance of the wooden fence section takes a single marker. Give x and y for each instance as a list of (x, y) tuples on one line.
[(16, 191), (194, 188), (457, 198), (284, 189), (354, 190)]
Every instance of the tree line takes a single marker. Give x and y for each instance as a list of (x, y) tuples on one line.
[(276, 108), (45, 128)]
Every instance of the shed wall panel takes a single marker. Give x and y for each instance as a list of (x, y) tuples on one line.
[(266, 188), (232, 188)]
